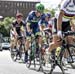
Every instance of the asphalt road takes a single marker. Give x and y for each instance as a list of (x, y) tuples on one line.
[(7, 66)]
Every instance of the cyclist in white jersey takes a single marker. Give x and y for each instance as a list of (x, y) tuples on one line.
[(67, 12)]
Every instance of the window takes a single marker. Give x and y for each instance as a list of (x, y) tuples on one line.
[(29, 4), (17, 4), (23, 5), (0, 5), (6, 6), (12, 4), (26, 5), (20, 4)]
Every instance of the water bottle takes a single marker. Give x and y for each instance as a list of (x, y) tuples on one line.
[(58, 50)]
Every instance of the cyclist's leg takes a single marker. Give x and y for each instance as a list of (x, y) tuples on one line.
[(12, 42), (70, 38), (66, 27), (28, 40), (27, 43), (19, 44), (27, 46), (55, 39), (38, 41), (56, 42), (15, 42)]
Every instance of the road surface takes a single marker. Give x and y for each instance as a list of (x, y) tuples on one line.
[(7, 66)]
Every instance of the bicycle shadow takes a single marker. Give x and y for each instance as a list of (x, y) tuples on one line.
[(59, 73), (46, 71)]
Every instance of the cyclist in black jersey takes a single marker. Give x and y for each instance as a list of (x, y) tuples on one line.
[(18, 27)]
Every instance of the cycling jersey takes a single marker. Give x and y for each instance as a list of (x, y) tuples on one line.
[(18, 27), (65, 26), (64, 19), (33, 20), (65, 23), (43, 23), (68, 6)]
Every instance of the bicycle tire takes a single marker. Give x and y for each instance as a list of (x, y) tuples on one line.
[(13, 56), (72, 49), (31, 56)]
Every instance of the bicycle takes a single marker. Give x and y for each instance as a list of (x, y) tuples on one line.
[(32, 52), (46, 34), (19, 50), (71, 50), (57, 60)]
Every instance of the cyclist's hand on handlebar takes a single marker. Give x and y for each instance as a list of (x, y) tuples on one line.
[(16, 35), (29, 30), (59, 33), (73, 29)]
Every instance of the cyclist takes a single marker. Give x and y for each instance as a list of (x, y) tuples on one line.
[(32, 23), (67, 12), (45, 22), (18, 28), (45, 25)]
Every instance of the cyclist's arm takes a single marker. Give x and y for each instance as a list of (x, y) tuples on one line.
[(23, 27), (59, 21), (40, 27), (62, 9), (15, 33), (39, 24), (14, 29), (28, 22), (28, 27)]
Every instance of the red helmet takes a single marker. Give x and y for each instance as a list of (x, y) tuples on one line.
[(19, 14)]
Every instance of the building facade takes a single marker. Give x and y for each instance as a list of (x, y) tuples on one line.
[(9, 8)]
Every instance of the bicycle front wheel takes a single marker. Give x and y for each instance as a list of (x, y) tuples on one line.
[(71, 58)]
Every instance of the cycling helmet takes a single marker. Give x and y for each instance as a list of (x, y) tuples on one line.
[(19, 14), (48, 15), (39, 7)]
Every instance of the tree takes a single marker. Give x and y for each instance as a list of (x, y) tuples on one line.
[(52, 11), (5, 26)]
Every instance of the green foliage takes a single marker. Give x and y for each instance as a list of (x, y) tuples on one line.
[(5, 26), (52, 11)]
